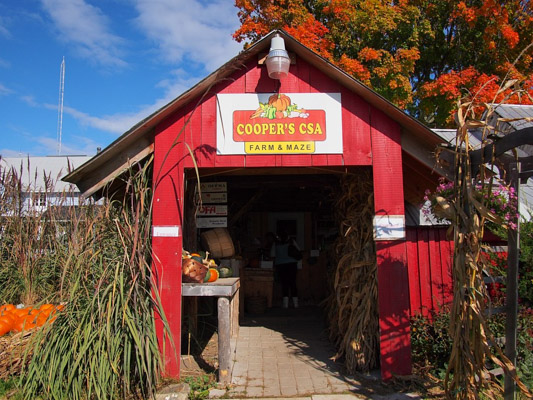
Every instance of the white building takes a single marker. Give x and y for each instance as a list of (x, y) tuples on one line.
[(40, 179)]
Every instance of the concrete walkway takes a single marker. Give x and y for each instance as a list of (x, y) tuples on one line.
[(286, 353)]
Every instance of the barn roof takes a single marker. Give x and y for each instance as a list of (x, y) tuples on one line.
[(135, 144)]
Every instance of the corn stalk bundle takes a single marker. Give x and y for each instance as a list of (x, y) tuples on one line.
[(13, 350), (467, 374), (353, 301)]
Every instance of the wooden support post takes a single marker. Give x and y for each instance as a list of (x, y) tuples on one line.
[(224, 346), (393, 278), (511, 303)]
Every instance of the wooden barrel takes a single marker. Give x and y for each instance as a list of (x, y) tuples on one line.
[(218, 243)]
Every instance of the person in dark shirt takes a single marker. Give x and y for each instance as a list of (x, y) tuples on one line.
[(286, 266)]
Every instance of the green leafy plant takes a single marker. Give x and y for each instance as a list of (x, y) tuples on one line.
[(103, 345), (525, 283), (199, 386)]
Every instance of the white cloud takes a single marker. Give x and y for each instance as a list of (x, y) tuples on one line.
[(4, 90), (83, 146), (121, 122), (87, 28), (190, 29), (29, 100), (3, 30)]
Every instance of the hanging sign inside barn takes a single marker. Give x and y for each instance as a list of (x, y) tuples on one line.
[(277, 123)]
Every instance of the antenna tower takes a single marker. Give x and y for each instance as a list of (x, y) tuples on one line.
[(60, 105)]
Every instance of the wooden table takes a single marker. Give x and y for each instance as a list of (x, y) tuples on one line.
[(227, 291)]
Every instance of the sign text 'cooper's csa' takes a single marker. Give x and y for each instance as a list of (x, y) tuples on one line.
[(277, 123)]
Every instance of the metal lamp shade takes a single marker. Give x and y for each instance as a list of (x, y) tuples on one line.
[(278, 61)]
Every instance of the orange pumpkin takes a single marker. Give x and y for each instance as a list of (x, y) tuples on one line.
[(4, 328), (24, 323), (19, 312), (7, 307), (8, 318), (214, 274), (279, 101)]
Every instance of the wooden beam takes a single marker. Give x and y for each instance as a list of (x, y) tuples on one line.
[(115, 167)]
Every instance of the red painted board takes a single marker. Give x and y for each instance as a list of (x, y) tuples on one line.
[(167, 211), (193, 130), (290, 83), (436, 269), (303, 76), (355, 129), (296, 160), (412, 264), (205, 154), (393, 299), (235, 83), (447, 265), (321, 83), (335, 160), (319, 160), (260, 160), (424, 271), (387, 164), (257, 80)]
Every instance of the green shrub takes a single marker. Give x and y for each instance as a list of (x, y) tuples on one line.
[(525, 282), (431, 342)]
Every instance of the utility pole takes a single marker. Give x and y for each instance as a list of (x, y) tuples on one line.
[(60, 105)]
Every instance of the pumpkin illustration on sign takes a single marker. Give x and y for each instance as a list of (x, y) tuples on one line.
[(279, 106)]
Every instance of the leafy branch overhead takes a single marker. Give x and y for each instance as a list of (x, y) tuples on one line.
[(421, 54)]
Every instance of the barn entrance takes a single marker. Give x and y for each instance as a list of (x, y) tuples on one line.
[(258, 202)]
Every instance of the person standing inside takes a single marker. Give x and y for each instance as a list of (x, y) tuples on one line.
[(287, 255)]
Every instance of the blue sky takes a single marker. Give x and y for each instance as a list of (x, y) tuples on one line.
[(124, 60)]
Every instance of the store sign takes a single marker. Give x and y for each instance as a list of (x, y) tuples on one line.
[(214, 187), (272, 123), (208, 210), (212, 222), (214, 197)]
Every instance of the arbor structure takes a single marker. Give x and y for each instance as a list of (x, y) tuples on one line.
[(420, 54)]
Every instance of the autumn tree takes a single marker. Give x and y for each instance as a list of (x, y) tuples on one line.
[(420, 54)]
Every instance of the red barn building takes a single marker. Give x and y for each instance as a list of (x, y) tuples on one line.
[(289, 139)]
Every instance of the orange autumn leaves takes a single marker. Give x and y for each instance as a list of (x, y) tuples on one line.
[(14, 319), (420, 54)]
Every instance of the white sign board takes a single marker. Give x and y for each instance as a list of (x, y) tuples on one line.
[(212, 222), (210, 198), (214, 187), (166, 231), (213, 210), (279, 123), (389, 227)]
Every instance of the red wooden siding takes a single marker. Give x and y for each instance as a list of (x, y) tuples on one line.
[(429, 258), (168, 202), (200, 129), (393, 282)]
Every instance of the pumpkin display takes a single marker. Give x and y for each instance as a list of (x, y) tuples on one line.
[(207, 276), (213, 275), (279, 101)]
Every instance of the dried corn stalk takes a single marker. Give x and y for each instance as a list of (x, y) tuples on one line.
[(467, 374), (353, 302)]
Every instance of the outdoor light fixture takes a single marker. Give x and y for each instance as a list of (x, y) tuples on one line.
[(277, 61)]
